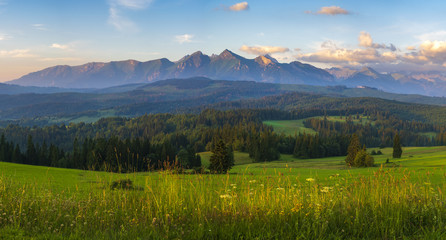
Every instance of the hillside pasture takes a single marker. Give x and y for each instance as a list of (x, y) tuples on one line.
[(286, 199)]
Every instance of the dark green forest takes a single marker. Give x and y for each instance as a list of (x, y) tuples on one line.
[(155, 141)]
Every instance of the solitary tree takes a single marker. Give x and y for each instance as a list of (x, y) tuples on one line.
[(352, 150), (397, 150), (357, 157), (222, 158)]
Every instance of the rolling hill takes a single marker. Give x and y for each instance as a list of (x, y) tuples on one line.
[(189, 95)]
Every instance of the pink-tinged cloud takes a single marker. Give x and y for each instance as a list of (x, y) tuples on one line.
[(242, 6), (17, 53), (369, 52), (331, 10), (263, 50), (435, 51)]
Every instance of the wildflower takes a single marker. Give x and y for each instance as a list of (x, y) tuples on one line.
[(326, 189), (252, 181), (310, 179), (225, 196), (280, 189)]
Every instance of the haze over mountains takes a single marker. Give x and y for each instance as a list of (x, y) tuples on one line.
[(230, 66)]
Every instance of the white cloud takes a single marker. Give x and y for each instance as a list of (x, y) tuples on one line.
[(242, 6), (4, 37), (16, 53), (134, 4), (39, 26), (432, 36), (185, 38), (62, 59), (118, 20), (262, 50), (331, 10), (60, 46)]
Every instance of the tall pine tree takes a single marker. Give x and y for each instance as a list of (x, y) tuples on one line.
[(352, 150), (222, 158), (397, 150)]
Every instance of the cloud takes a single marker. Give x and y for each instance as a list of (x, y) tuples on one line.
[(242, 6), (434, 51), (263, 50), (429, 54), (61, 59), (118, 20), (342, 55), (365, 40), (369, 52), (39, 26), (185, 38), (60, 46), (432, 35), (133, 4), (4, 37), (332, 10), (16, 53)]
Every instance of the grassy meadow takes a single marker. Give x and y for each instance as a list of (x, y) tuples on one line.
[(286, 199), (293, 127), (289, 127)]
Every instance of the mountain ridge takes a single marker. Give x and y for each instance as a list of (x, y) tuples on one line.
[(230, 66), (226, 65)]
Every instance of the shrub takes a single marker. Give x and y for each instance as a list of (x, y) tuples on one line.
[(122, 184)]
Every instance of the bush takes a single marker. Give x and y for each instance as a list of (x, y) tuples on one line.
[(122, 184)]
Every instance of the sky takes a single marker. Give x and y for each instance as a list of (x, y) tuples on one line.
[(390, 36)]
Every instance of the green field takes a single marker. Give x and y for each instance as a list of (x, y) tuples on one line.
[(292, 127), (286, 199), (289, 127)]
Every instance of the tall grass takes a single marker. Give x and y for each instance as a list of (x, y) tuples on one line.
[(385, 205)]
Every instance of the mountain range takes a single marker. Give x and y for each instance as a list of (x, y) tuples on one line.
[(230, 66), (227, 65)]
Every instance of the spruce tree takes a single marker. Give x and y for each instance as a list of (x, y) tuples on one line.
[(352, 150), (222, 158), (397, 150), (31, 153)]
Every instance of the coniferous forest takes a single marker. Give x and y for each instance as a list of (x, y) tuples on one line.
[(155, 141)]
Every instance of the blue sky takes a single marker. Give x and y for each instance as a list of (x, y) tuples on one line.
[(387, 35)]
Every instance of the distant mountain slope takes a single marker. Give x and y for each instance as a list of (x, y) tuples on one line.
[(171, 96), (431, 84), (227, 65), (12, 89)]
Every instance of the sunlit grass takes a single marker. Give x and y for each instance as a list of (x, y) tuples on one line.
[(278, 200)]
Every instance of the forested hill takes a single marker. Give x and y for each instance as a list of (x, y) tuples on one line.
[(195, 94), (303, 104)]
